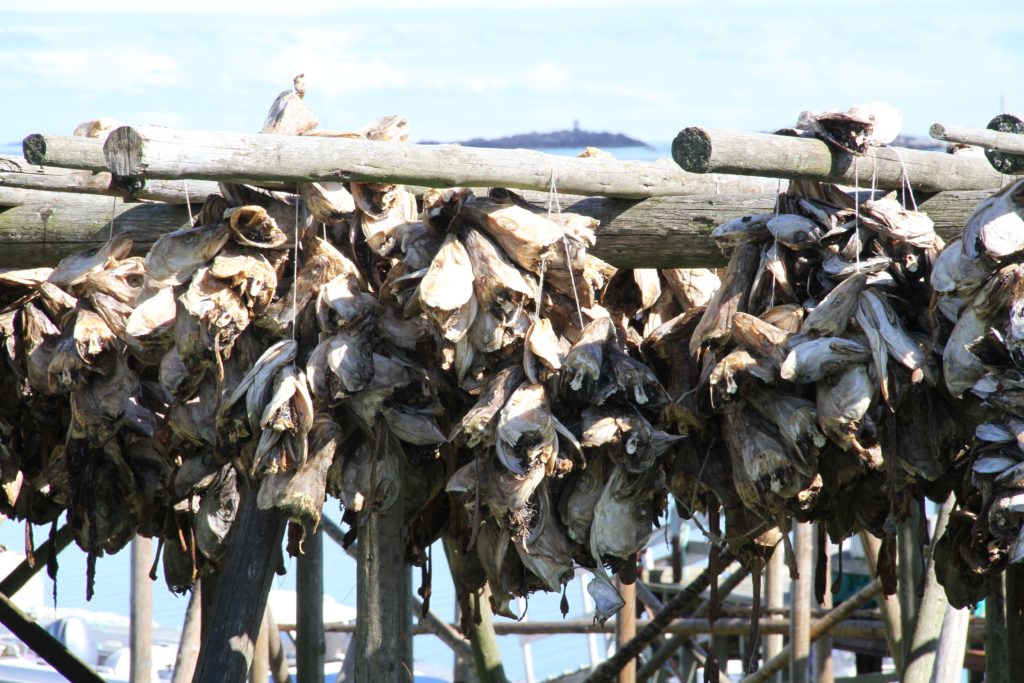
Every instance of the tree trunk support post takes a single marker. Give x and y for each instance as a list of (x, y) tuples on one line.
[(309, 610), (141, 611)]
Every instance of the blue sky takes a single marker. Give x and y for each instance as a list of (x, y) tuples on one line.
[(459, 69)]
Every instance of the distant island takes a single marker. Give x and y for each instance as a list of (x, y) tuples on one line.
[(559, 138)]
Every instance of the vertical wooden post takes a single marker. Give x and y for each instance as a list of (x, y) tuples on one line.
[(278, 660), (140, 639), (949, 655), (625, 629), (486, 655), (1015, 618), (383, 589), (309, 627), (823, 646), (720, 644), (928, 621), (909, 567), (235, 614), (463, 667), (996, 655), (800, 602), (888, 604), (259, 670), (774, 589), (188, 647)]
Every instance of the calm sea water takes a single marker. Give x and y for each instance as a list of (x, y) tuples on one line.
[(550, 656)]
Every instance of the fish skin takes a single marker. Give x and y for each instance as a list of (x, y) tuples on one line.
[(832, 314), (525, 433), (175, 256), (715, 326), (815, 359)]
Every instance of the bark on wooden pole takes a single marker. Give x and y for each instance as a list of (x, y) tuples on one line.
[(827, 624), (711, 150), (143, 152), (140, 639), (774, 591), (240, 597), (929, 613), (996, 655), (20, 575), (17, 172), (383, 651), (309, 609), (278, 660), (888, 605), (1015, 618), (51, 650), (800, 602), (910, 567), (188, 645)]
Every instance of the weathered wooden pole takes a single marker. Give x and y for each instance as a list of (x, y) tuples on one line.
[(309, 610), (1011, 143), (826, 624), (774, 592), (232, 622), (188, 645), (711, 150), (996, 655), (910, 567), (278, 660), (20, 575), (17, 172), (143, 152), (888, 605), (625, 628), (259, 670), (51, 650), (1015, 618), (800, 593), (823, 672), (383, 649), (140, 638), (72, 151), (952, 645), (930, 610), (678, 605), (486, 655)]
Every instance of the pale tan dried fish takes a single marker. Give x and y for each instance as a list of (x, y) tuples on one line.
[(525, 434), (796, 420), (715, 326), (733, 372), (252, 226), (250, 275), (122, 280), (954, 272), (786, 317), (175, 256), (888, 217), (447, 289), (760, 337), (526, 237), (692, 287), (96, 128), (961, 369), (113, 312), (289, 115), (221, 312), (341, 364), (818, 358), (341, 304), (77, 267), (869, 325), (764, 475), (255, 386), (635, 380), (625, 513), (413, 427), (625, 437), (577, 506), (842, 402), (383, 232), (151, 320), (901, 345), (772, 283), (649, 284), (795, 231), (390, 128), (838, 269), (542, 354), (500, 287), (741, 230), (300, 496), (329, 202)]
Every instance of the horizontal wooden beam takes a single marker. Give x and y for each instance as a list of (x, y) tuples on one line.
[(73, 151), (660, 232), (42, 233), (850, 628), (712, 150), (16, 172), (169, 154), (981, 137)]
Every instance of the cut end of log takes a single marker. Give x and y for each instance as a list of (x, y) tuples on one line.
[(937, 131), (123, 152), (33, 148), (692, 150)]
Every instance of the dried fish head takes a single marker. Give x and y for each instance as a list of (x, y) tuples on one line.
[(760, 337), (741, 230), (252, 226), (832, 314), (625, 437), (582, 367), (715, 326), (446, 291), (691, 287), (635, 380), (251, 276), (816, 359), (764, 474), (795, 419), (478, 425), (546, 551), (625, 514), (735, 373), (341, 364), (888, 217), (578, 502), (328, 202), (383, 232), (500, 287), (996, 227), (795, 231), (175, 256), (542, 354), (340, 303), (77, 267), (842, 402), (525, 435)]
